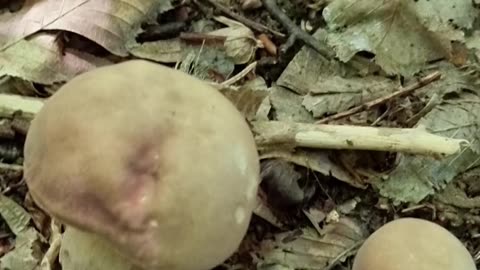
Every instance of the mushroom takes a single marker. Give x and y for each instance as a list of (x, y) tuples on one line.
[(413, 244), (145, 165)]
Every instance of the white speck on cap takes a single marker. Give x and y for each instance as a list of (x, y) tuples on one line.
[(252, 187), (240, 215)]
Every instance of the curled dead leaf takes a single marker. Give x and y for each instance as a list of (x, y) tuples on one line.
[(241, 43)]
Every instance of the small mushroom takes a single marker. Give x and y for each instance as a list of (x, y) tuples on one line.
[(148, 168), (412, 244)]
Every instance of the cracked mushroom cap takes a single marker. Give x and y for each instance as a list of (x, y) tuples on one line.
[(412, 244), (152, 160)]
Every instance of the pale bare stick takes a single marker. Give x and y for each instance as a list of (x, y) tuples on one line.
[(407, 140)]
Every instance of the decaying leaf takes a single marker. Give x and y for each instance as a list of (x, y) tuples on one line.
[(453, 81), (417, 177), (303, 72), (334, 94), (163, 51), (403, 35), (27, 253), (473, 42), (287, 106), (207, 63), (112, 24), (247, 101), (305, 249), (14, 215), (241, 43), (323, 87), (41, 59), (455, 196)]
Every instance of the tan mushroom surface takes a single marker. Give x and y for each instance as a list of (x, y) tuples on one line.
[(147, 161), (413, 244)]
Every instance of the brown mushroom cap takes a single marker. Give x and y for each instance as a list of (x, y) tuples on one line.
[(413, 244), (153, 160)]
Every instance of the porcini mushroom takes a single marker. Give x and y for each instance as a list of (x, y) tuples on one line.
[(148, 164), (413, 244)]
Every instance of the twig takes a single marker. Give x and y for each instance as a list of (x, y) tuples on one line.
[(366, 106), (200, 38), (240, 75), (295, 32), (406, 140), (268, 133), (9, 104), (252, 24)]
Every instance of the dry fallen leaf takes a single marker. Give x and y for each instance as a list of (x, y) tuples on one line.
[(287, 106), (247, 101), (306, 249), (241, 43), (112, 24), (41, 59), (403, 35), (163, 51), (417, 177)]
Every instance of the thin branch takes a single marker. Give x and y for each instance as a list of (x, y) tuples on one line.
[(252, 24), (367, 106), (268, 133), (406, 140), (295, 32)]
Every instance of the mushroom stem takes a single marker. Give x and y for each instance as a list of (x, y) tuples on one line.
[(408, 140)]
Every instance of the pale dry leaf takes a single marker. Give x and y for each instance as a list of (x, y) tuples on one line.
[(323, 87), (455, 195), (33, 17), (27, 252), (305, 249), (287, 106), (112, 24), (315, 216), (14, 215), (206, 63), (417, 177), (41, 59), (241, 43), (453, 80), (334, 94), (247, 101), (304, 71), (473, 42), (163, 51), (403, 35), (262, 209)]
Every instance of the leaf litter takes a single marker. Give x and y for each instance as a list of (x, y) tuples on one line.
[(321, 195)]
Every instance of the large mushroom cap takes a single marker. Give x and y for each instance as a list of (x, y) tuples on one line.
[(151, 159), (413, 244)]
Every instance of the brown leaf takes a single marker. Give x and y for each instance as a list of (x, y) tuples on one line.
[(41, 59), (305, 249), (110, 23), (247, 101)]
